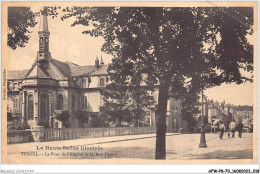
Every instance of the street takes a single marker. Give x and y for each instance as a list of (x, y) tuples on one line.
[(179, 146)]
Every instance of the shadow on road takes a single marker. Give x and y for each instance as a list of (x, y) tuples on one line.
[(225, 154), (113, 152), (129, 139)]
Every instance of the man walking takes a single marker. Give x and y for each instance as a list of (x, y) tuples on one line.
[(240, 129), (222, 129), (232, 127)]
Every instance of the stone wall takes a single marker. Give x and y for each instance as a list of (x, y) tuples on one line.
[(39, 133), (18, 136)]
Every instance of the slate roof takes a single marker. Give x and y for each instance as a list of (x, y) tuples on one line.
[(82, 70), (71, 64), (100, 71), (68, 69), (63, 67), (15, 75)]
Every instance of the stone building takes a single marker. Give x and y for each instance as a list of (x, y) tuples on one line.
[(50, 85)]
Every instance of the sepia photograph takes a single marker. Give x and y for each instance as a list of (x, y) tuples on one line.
[(129, 83)]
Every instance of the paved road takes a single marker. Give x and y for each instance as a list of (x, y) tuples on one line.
[(179, 146)]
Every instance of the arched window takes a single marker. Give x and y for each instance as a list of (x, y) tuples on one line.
[(43, 108), (60, 102), (56, 125), (30, 107)]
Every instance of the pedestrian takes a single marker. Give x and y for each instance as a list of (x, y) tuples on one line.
[(221, 129), (232, 127), (240, 129)]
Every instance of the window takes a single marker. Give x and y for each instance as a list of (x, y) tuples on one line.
[(30, 107), (16, 103), (60, 102), (84, 101), (84, 83), (101, 82), (15, 85), (43, 108)]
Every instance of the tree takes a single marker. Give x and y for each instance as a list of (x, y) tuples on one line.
[(168, 42), (115, 107), (141, 98), (141, 101), (82, 117), (20, 19), (189, 108), (62, 116), (207, 45), (126, 102)]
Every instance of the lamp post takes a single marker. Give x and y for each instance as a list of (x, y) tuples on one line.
[(202, 135)]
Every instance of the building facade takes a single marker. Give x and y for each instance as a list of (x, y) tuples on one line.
[(50, 85)]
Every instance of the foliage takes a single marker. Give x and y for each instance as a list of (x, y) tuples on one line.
[(62, 116), (125, 103), (177, 35), (141, 101), (17, 124), (242, 108), (115, 107), (169, 44), (20, 19), (9, 116), (192, 123), (140, 98), (82, 116), (205, 120), (207, 45), (95, 120)]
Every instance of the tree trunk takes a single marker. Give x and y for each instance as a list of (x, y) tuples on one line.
[(160, 152), (137, 116), (136, 120)]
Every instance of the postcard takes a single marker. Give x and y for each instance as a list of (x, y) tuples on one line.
[(129, 82)]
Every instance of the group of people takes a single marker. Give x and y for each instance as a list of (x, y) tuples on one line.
[(232, 127)]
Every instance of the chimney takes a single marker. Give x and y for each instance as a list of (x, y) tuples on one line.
[(101, 63), (97, 63)]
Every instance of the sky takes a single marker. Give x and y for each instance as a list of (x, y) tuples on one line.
[(69, 44)]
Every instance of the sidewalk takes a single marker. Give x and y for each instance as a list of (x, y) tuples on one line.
[(232, 148), (16, 148), (134, 147)]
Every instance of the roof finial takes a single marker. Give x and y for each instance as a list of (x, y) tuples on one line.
[(43, 21)]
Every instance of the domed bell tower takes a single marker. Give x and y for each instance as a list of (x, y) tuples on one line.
[(43, 53)]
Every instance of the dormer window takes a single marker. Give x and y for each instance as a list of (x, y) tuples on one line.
[(84, 83)]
